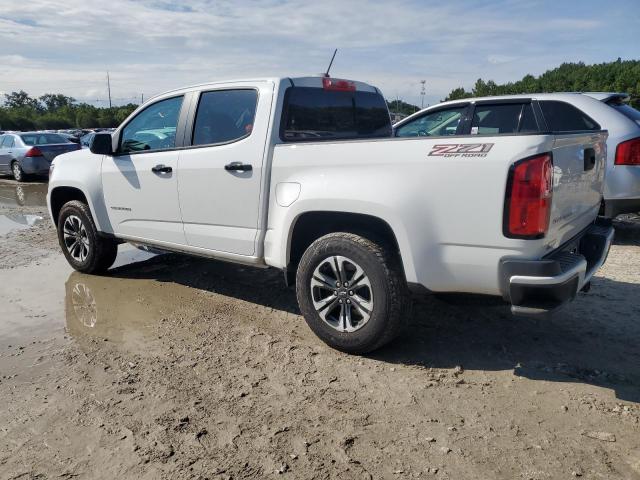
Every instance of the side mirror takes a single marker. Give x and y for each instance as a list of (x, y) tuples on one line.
[(102, 144)]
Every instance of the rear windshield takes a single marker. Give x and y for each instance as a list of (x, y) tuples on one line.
[(627, 110), (315, 114), (42, 138)]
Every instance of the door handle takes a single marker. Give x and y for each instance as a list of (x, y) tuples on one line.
[(238, 167), (161, 169), (589, 159)]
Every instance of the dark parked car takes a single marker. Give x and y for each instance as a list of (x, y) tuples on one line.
[(31, 153), (85, 140)]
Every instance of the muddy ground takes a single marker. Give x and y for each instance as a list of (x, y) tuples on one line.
[(171, 367)]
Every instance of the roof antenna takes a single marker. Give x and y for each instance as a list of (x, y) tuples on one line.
[(331, 62)]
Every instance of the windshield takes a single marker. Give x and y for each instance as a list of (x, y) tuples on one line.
[(42, 138)]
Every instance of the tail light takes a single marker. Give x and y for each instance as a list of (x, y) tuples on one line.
[(33, 152), (338, 85), (528, 198), (628, 153)]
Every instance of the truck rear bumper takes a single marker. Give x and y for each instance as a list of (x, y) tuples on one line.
[(535, 287)]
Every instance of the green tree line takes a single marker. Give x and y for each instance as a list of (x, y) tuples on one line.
[(618, 76), (56, 111), (398, 106)]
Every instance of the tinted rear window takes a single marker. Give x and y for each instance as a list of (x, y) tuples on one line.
[(42, 138), (628, 111), (562, 117), (314, 114)]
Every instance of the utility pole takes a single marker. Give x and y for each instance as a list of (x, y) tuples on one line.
[(141, 98), (109, 89), (423, 92)]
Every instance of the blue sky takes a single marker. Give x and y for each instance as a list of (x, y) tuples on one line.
[(150, 46)]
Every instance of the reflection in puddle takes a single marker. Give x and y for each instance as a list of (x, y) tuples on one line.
[(17, 221), (23, 194), (84, 305), (117, 309), (36, 298)]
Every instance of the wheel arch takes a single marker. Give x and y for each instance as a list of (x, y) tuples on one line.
[(311, 225), (61, 195)]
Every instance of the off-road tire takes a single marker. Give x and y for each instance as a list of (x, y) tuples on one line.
[(102, 251), (392, 302)]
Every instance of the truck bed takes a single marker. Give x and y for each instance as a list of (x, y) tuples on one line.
[(443, 198)]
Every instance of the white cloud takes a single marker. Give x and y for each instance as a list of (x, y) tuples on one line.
[(153, 45)]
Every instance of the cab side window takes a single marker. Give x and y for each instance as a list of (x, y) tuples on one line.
[(154, 128), (224, 116), (7, 142), (496, 119), (434, 124)]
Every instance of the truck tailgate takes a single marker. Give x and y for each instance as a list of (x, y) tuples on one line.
[(578, 182)]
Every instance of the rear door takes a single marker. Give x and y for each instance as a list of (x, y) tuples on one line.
[(221, 168), (579, 154), (140, 181)]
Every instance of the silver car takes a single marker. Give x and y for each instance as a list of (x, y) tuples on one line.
[(31, 153), (612, 113), (622, 183)]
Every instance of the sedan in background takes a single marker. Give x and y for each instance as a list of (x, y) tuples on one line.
[(31, 153)]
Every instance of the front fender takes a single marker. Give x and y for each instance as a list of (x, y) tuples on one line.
[(81, 170)]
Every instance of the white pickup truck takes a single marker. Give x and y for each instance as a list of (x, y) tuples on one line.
[(306, 175)]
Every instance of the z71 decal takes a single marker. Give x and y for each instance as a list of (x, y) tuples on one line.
[(461, 150)]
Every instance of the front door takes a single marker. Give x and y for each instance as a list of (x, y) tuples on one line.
[(221, 169), (140, 180)]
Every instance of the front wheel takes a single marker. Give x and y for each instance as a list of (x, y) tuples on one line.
[(352, 292), (84, 249)]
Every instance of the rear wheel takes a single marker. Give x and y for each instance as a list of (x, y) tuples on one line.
[(352, 292), (84, 249), (18, 173)]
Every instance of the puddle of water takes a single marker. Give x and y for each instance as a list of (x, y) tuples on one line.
[(39, 298), (120, 310), (14, 194), (17, 221), (32, 298), (117, 308)]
